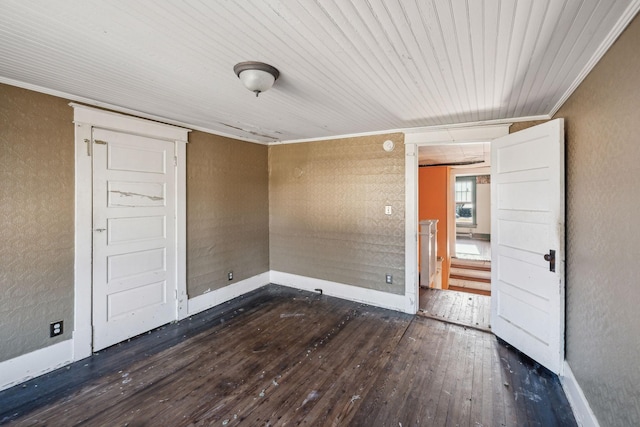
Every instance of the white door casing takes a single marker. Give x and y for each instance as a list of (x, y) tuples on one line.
[(527, 208), (86, 119), (134, 248)]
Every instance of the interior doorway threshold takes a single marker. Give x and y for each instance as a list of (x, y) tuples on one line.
[(458, 308)]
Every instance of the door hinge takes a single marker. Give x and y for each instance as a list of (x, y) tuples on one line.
[(175, 161), (96, 141)]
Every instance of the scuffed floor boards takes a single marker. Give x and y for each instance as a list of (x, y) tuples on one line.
[(279, 356)]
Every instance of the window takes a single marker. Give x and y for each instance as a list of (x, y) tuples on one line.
[(466, 201)]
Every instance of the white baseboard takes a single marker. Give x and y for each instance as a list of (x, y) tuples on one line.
[(340, 290), (82, 338), (211, 299), (22, 368), (581, 409)]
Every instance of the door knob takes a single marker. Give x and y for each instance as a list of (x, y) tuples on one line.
[(551, 259)]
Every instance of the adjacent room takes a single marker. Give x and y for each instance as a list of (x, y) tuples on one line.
[(319, 212)]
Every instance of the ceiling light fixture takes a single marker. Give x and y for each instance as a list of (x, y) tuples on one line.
[(256, 76)]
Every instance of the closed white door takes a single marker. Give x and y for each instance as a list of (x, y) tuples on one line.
[(527, 231), (134, 236)]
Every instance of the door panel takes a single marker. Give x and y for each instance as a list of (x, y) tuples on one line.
[(135, 194), (527, 205), (122, 304), (134, 286), (134, 264), (136, 159), (130, 230)]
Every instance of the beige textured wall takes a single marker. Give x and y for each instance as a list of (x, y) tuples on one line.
[(36, 219), (227, 211), (518, 126), (327, 218), (602, 122)]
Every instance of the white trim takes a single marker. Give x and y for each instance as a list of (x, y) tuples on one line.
[(22, 368), (211, 299), (500, 123), (82, 331), (117, 108), (181, 229), (411, 228), (333, 137), (579, 404), (119, 122), (169, 122), (340, 290), (85, 118), (456, 135), (613, 35)]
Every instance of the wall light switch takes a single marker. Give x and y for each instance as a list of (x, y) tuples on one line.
[(387, 210)]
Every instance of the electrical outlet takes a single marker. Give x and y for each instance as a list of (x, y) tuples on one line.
[(230, 275), (55, 329), (388, 278)]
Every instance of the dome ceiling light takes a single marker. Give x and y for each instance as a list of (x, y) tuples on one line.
[(256, 76)]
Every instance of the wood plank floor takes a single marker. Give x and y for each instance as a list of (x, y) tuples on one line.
[(281, 357), (461, 308), (475, 249)]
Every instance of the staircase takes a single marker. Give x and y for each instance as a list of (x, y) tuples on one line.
[(470, 276)]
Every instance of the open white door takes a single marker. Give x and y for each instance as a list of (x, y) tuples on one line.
[(527, 206)]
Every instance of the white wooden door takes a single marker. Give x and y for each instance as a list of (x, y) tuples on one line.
[(527, 206), (134, 244)]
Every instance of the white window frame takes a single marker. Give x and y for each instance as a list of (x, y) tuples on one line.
[(474, 220)]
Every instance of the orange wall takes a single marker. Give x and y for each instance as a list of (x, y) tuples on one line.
[(433, 192)]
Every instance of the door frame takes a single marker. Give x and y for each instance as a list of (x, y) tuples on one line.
[(412, 141), (85, 119)]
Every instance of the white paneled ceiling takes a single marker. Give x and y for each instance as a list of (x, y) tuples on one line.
[(347, 66)]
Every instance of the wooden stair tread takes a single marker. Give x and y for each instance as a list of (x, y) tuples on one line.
[(471, 263), (469, 279), (471, 267), (473, 274), (472, 284)]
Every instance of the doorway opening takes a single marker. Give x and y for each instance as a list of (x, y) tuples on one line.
[(454, 191), (471, 258), (527, 310)]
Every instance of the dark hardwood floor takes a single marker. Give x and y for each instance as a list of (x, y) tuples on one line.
[(279, 356)]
